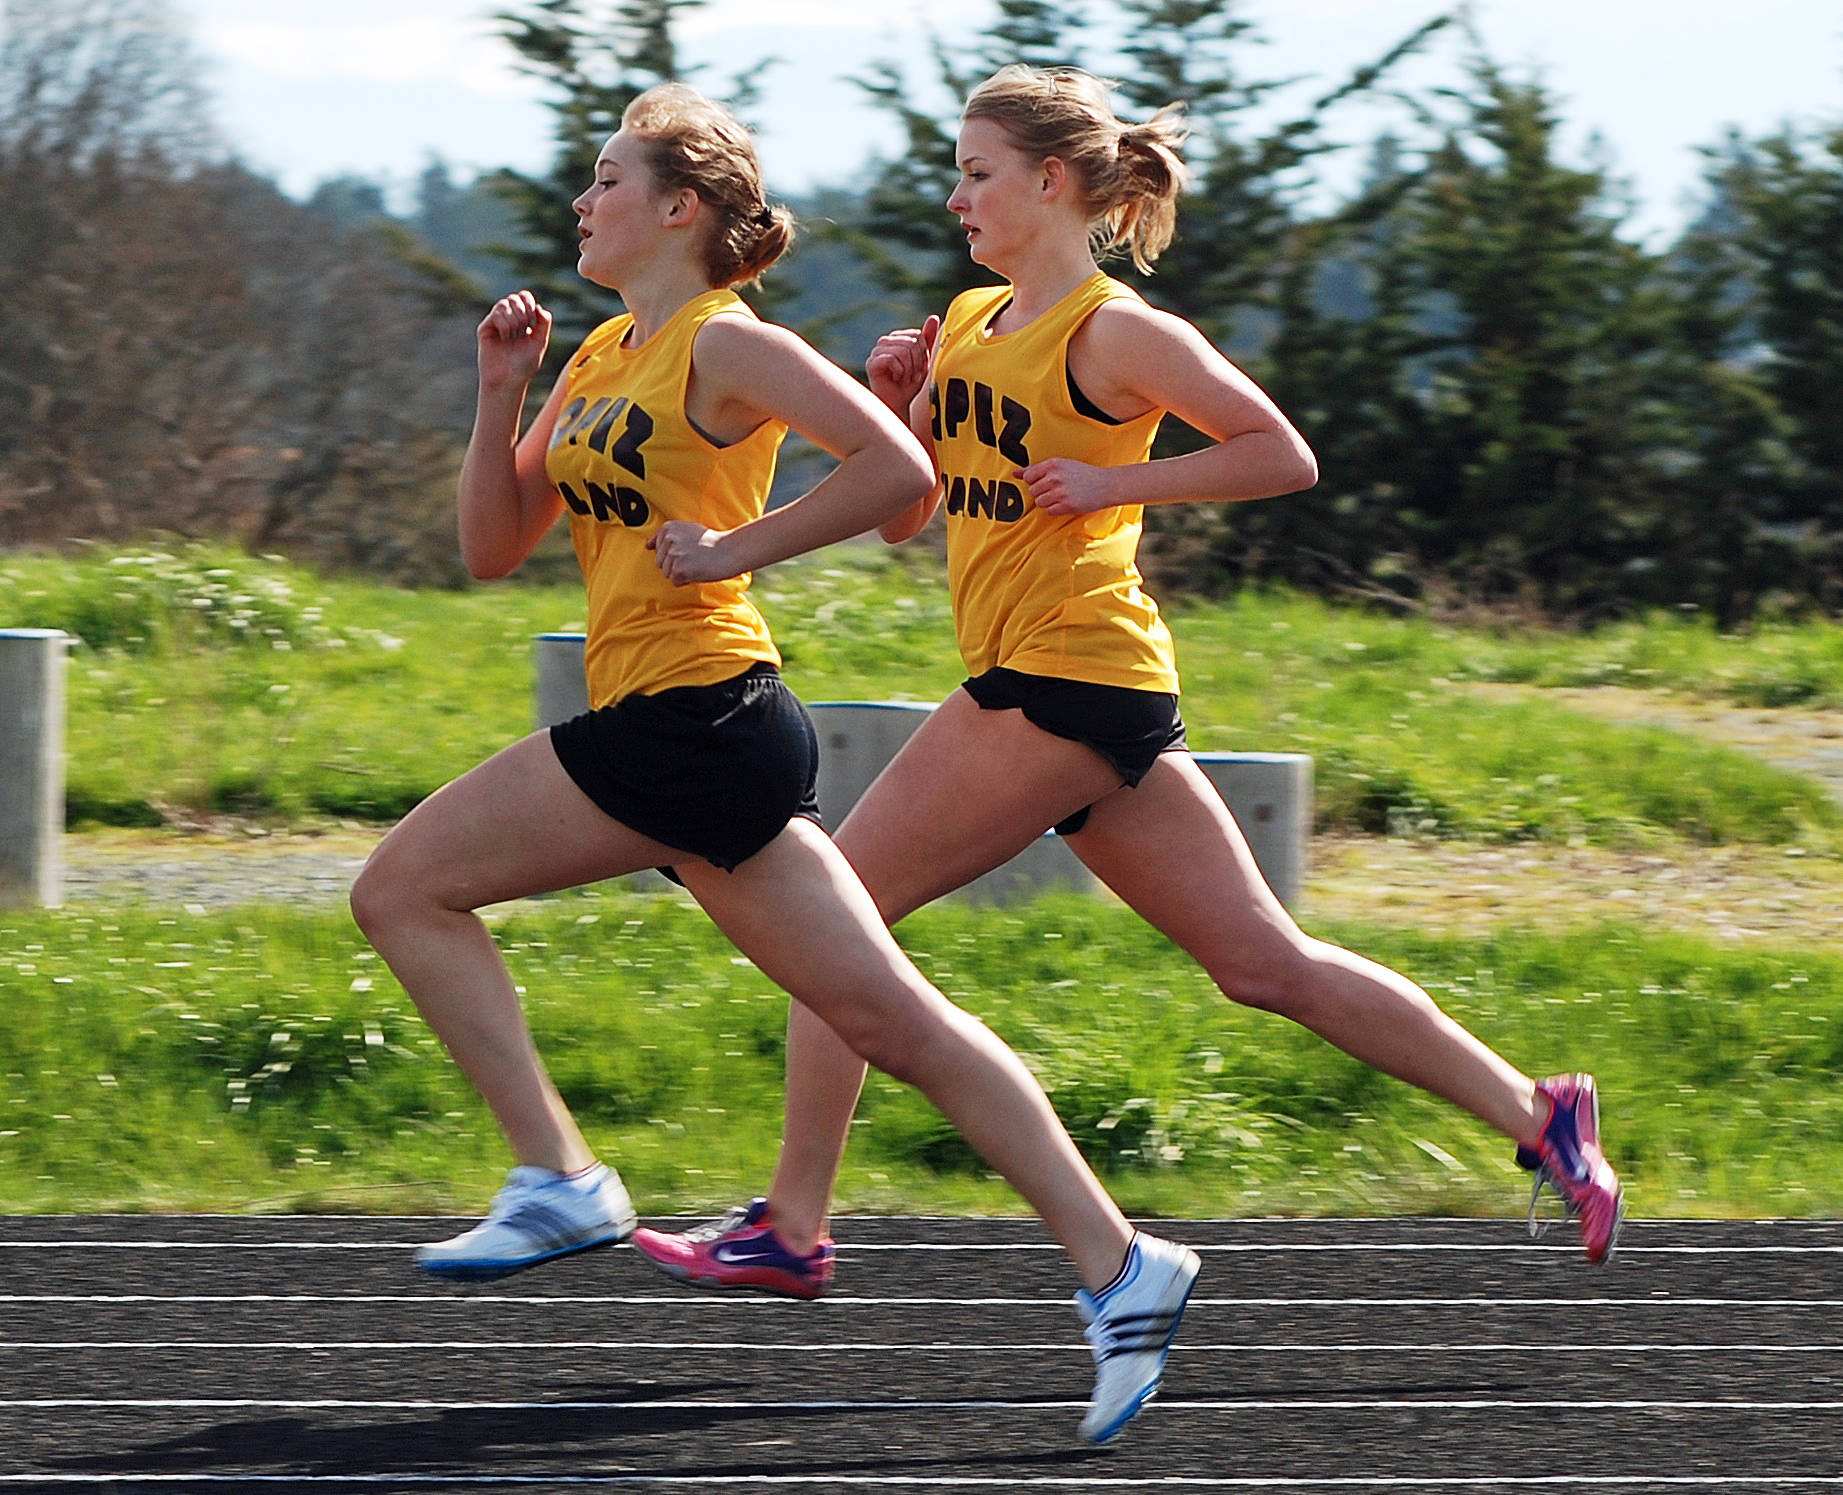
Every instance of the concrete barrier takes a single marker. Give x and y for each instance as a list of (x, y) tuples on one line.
[(562, 688), (32, 766), (856, 740), (1270, 794)]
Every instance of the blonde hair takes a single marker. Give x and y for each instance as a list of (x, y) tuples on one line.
[(1130, 174), (692, 142)]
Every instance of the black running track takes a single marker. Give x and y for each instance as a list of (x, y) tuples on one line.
[(198, 1353)]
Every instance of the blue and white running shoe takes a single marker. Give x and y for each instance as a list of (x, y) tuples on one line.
[(1131, 1324), (537, 1216)]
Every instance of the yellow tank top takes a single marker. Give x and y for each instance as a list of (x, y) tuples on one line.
[(1044, 594), (626, 459)]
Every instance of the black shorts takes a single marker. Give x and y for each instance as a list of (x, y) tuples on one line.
[(1128, 728), (713, 770)]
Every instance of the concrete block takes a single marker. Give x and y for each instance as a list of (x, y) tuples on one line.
[(856, 740), (1270, 795), (562, 685), (32, 666)]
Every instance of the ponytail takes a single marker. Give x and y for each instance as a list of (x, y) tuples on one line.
[(1153, 175), (1130, 174), (694, 143), (750, 244)]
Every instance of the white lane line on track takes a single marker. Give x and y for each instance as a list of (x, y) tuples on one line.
[(852, 1248), (970, 1404), (976, 1482), (708, 1301), (820, 1347)]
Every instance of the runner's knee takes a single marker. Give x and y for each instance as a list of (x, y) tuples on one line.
[(901, 1041), (371, 899), (385, 892), (1279, 976)]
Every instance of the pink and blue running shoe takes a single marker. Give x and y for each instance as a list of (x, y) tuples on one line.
[(739, 1250), (1567, 1160)]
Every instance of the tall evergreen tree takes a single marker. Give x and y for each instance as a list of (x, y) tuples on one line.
[(594, 59), (1488, 371), (906, 233), (1347, 338), (1776, 255), (1038, 32), (1251, 266), (1185, 51), (1238, 220), (1728, 536), (1550, 341)]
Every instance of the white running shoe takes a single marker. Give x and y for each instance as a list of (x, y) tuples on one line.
[(1131, 1324), (538, 1215)]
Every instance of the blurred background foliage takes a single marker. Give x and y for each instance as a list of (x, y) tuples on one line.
[(1519, 408)]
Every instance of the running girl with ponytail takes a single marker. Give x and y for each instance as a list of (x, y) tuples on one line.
[(1038, 399), (694, 755)]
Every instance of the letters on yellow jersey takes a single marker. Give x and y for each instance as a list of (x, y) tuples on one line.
[(949, 409), (1053, 594), (593, 422)]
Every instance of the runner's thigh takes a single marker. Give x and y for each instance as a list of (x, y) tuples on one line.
[(966, 793), (514, 826)]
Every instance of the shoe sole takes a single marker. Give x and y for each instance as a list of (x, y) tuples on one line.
[(1118, 1425), (1612, 1237), (1593, 1121), (706, 1282), (492, 1271)]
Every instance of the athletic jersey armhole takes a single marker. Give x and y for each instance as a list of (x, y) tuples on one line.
[(1079, 399), (742, 311), (1086, 406)]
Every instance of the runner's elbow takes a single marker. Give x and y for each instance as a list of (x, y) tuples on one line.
[(485, 566), (1305, 473), (915, 476)]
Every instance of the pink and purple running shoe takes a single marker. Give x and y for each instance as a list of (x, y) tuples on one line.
[(1567, 1160), (739, 1250)]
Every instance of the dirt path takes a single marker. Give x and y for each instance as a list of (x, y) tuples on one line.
[(213, 869), (1724, 893)]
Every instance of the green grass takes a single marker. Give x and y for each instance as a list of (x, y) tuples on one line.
[(1400, 744), (1771, 664), (208, 682), (265, 1059)]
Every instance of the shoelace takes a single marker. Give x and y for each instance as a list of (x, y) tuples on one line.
[(1545, 1179), (510, 1196), (717, 1229)]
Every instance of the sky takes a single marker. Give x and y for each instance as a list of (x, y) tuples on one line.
[(380, 87)]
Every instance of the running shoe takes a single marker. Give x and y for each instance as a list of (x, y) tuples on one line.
[(1567, 1160), (537, 1216), (1131, 1324), (740, 1250)]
